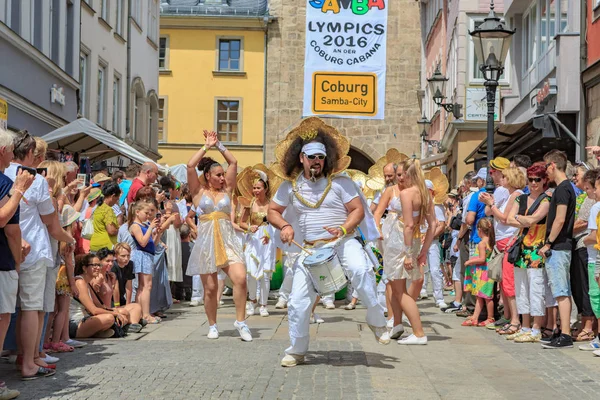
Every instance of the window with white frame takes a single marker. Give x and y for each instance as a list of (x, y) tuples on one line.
[(116, 104), (230, 51), (153, 20), (530, 37), (475, 74), (162, 119), (119, 17), (101, 99), (136, 11), (83, 83), (228, 120), (163, 53), (104, 10)]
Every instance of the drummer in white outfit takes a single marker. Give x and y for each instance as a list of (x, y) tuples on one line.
[(326, 209)]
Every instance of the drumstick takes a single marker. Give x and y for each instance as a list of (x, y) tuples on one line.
[(303, 248)]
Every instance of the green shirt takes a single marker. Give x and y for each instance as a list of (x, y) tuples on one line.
[(103, 215)]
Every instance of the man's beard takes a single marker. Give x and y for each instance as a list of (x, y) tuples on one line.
[(390, 183), (314, 175)]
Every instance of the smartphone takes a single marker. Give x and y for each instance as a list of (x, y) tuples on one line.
[(42, 171), (82, 178), (158, 215), (32, 171)]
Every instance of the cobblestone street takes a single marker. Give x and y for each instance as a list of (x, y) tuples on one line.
[(174, 360)]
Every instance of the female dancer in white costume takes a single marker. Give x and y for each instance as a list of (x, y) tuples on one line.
[(218, 248)]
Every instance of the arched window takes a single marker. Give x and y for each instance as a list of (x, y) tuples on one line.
[(138, 110), (152, 131)]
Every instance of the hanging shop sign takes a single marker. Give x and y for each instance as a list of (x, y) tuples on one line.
[(3, 114), (476, 105), (345, 58)]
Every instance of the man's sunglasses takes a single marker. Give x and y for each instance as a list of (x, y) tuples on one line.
[(537, 180), (315, 156)]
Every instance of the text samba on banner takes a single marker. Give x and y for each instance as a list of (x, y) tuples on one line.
[(345, 60)]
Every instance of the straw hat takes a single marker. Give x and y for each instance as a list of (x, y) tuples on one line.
[(440, 185), (100, 177), (377, 179), (308, 130), (68, 216), (94, 194)]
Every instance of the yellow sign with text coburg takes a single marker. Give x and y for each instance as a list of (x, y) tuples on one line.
[(344, 93)]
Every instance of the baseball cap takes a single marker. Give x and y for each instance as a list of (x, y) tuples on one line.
[(482, 173), (314, 148)]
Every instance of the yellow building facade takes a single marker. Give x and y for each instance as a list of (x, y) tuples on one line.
[(212, 76)]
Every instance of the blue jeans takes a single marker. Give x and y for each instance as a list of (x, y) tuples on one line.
[(558, 267)]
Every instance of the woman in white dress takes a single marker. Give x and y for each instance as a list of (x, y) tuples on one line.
[(219, 249), (260, 250), (402, 251), (172, 238)]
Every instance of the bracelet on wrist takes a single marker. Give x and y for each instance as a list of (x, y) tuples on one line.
[(221, 147), (204, 148), (344, 231), (285, 226)]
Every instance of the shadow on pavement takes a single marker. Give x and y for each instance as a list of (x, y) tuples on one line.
[(350, 359)]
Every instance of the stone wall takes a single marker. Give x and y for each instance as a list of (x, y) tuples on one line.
[(285, 81)]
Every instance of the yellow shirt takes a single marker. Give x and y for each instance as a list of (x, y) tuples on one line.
[(103, 215)]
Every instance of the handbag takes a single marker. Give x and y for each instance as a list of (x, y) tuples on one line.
[(494, 264), (456, 222), (514, 252), (87, 230)]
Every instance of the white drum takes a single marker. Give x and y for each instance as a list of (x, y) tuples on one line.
[(326, 271)]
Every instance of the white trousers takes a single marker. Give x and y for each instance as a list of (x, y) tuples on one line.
[(532, 291), (197, 288), (288, 276), (435, 271), (259, 288), (359, 271)]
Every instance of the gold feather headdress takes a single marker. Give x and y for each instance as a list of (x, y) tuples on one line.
[(440, 184), (376, 180)]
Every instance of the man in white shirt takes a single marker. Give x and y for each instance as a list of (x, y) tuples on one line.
[(37, 280), (324, 210)]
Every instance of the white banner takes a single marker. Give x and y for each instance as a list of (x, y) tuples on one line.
[(345, 62)]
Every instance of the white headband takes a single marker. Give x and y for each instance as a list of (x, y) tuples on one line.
[(314, 148)]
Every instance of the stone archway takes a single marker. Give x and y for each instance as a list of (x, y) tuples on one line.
[(363, 153), (360, 161)]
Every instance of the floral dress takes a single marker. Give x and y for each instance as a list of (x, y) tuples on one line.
[(476, 277), (532, 242)]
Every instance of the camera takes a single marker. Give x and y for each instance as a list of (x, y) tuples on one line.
[(548, 254)]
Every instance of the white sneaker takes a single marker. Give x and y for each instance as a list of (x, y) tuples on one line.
[(196, 303), (591, 346), (281, 303), (244, 331), (397, 331), (390, 323), (329, 305), (75, 343), (381, 334), (596, 353), (6, 393), (263, 311), (221, 302), (423, 294), (291, 360), (405, 320), (213, 332), (250, 308), (315, 319), (350, 306), (412, 340), (50, 360), (442, 304)]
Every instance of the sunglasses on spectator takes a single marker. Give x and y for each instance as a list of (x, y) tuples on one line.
[(534, 179), (94, 265), (315, 156)]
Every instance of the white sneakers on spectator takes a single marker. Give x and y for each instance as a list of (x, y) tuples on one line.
[(263, 311), (381, 334), (315, 319), (244, 331), (413, 340), (396, 331), (6, 393), (213, 332), (196, 303), (281, 304), (441, 305), (350, 306), (75, 343), (390, 323), (591, 346), (51, 360), (291, 360), (250, 308)]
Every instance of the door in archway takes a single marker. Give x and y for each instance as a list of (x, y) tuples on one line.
[(360, 161)]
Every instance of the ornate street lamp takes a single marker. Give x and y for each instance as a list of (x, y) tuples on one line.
[(491, 41), (437, 84)]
